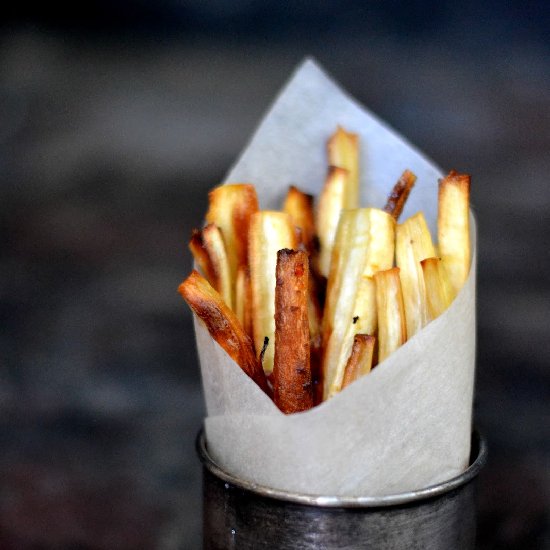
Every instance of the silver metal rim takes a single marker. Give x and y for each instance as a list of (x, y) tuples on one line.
[(478, 459)]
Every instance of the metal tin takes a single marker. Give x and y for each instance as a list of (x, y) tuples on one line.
[(241, 514)]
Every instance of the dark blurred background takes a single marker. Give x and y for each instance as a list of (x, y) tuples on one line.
[(116, 117)]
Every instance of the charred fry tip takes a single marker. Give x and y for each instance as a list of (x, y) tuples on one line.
[(399, 194)]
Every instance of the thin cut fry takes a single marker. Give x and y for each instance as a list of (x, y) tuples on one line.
[(201, 257), (399, 195), (270, 231), (230, 208), (222, 324), (392, 330), (299, 206), (360, 359), (292, 384), (331, 204), (453, 227), (343, 152), (364, 244), (438, 289), (413, 243), (243, 299), (214, 244)]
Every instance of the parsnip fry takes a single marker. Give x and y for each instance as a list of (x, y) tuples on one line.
[(343, 152), (292, 383), (413, 243), (215, 246), (399, 195), (230, 208), (331, 204), (299, 206), (201, 257), (360, 359), (392, 330), (453, 227), (222, 324), (243, 299), (364, 244), (269, 232), (438, 289)]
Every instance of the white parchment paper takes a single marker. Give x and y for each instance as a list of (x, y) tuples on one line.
[(407, 424)]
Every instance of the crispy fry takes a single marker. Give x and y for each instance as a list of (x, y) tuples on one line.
[(292, 384), (222, 324), (299, 206), (399, 194), (413, 243), (360, 359), (214, 245), (343, 152), (438, 289), (331, 204), (270, 231), (243, 299), (201, 257), (392, 329), (230, 208), (364, 244), (453, 227)]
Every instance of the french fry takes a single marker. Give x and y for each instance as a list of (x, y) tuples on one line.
[(270, 231), (331, 204), (364, 244), (292, 383), (214, 244), (392, 329), (438, 289), (413, 243), (399, 194), (360, 359), (222, 324), (343, 152), (201, 257), (243, 299), (230, 207), (453, 227), (299, 206)]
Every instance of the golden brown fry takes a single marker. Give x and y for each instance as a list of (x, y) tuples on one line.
[(201, 257), (392, 330), (453, 227), (230, 207), (438, 289), (364, 244), (360, 359), (214, 245), (222, 324), (299, 206), (413, 243), (399, 195), (243, 299), (292, 384), (331, 204), (343, 152), (270, 232)]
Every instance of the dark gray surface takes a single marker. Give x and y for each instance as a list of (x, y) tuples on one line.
[(107, 148)]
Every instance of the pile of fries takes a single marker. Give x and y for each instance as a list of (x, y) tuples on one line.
[(310, 298)]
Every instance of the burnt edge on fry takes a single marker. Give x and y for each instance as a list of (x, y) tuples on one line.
[(361, 343), (399, 194), (223, 325), (292, 384)]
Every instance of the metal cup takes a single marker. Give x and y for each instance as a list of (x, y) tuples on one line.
[(242, 515)]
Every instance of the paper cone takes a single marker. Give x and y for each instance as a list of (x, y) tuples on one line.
[(407, 424)]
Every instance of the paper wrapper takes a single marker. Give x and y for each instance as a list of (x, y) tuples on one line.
[(407, 424)]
